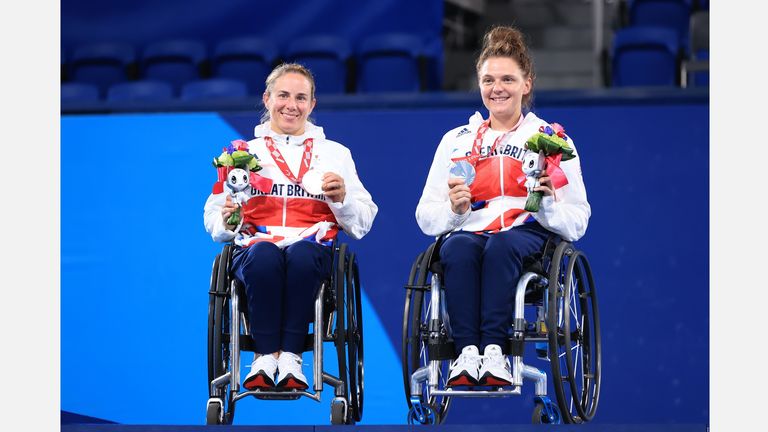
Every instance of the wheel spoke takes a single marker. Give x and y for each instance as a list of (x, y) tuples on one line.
[(573, 303)]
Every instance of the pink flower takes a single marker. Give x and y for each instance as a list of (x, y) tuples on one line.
[(240, 145), (559, 131)]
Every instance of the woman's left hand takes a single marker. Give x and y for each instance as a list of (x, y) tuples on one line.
[(333, 187), (545, 184)]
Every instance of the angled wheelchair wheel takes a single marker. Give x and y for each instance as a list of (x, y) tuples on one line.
[(415, 335), (573, 322), (344, 346), (355, 355), (212, 296), (219, 355), (409, 351)]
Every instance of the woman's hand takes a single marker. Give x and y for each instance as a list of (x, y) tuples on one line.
[(333, 187), (459, 195), (545, 184), (227, 210)]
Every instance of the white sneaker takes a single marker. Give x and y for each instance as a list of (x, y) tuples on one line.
[(289, 367), (495, 370), (464, 370), (262, 374)]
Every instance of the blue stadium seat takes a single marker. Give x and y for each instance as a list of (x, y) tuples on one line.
[(696, 66), (141, 91), (175, 61), (247, 58), (433, 64), (674, 14), (389, 63), (79, 92), (327, 57), (644, 56), (214, 89), (102, 64), (63, 71)]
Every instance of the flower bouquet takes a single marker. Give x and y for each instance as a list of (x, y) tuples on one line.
[(548, 148), (236, 168)]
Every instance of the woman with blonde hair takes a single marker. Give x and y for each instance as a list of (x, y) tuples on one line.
[(282, 241)]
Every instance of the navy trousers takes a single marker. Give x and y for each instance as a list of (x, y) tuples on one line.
[(481, 272), (281, 285)]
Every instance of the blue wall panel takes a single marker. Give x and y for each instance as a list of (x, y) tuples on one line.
[(142, 21), (136, 260)]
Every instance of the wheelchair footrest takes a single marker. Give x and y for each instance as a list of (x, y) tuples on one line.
[(278, 397), (276, 394), (500, 392)]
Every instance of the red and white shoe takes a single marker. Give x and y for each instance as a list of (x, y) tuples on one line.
[(495, 370), (464, 370), (262, 374), (289, 369)]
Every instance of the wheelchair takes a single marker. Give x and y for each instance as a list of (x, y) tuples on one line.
[(338, 319), (555, 309)]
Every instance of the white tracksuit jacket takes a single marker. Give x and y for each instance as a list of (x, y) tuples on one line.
[(498, 192), (287, 213)]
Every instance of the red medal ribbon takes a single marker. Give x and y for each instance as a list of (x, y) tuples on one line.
[(475, 155), (306, 160)]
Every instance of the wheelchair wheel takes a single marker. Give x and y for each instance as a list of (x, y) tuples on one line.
[(414, 339), (341, 332), (218, 338), (573, 323), (355, 353)]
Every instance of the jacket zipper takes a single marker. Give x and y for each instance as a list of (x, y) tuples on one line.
[(501, 184), (285, 199)]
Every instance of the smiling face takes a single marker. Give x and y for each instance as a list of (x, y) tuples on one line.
[(289, 102), (502, 87)]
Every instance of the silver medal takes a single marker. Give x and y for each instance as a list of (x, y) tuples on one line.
[(463, 170), (312, 182)]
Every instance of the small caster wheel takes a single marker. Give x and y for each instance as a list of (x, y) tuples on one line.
[(423, 414), (214, 413), (339, 411), (545, 412)]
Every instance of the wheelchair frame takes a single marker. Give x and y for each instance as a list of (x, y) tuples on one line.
[(338, 301), (569, 338)]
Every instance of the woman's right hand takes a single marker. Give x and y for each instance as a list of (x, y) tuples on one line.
[(227, 210), (459, 194)]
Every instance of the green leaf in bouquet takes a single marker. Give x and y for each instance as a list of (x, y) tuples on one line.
[(533, 203), (533, 142), (549, 144), (554, 145), (253, 165), (568, 154), (241, 159), (225, 159), (234, 218)]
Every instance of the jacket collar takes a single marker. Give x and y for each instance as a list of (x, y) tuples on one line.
[(310, 131), (530, 118)]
